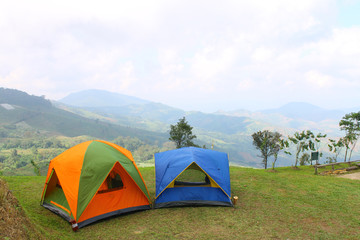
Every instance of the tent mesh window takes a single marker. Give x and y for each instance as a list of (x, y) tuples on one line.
[(192, 176), (113, 182)]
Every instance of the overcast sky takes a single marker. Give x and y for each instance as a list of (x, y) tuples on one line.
[(194, 55)]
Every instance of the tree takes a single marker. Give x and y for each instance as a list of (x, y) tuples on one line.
[(302, 141), (14, 158), (268, 143), (350, 123), (335, 147), (305, 158), (315, 142), (181, 134), (278, 144), (36, 168)]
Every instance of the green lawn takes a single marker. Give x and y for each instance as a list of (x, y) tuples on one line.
[(286, 204)]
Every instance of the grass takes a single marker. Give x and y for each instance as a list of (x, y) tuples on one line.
[(286, 204)]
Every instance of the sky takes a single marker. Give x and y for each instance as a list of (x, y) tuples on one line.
[(194, 55)]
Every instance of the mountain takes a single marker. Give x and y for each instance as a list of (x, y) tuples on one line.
[(107, 115), (100, 98), (296, 116), (306, 111), (230, 134), (39, 114), (141, 110), (16, 97)]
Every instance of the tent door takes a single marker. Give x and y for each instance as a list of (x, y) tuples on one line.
[(193, 176), (54, 194)]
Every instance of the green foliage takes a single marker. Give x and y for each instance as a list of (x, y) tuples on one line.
[(350, 123), (181, 134), (305, 158), (302, 141), (31, 156), (269, 143), (141, 151), (278, 144), (2, 158), (335, 147), (36, 168)]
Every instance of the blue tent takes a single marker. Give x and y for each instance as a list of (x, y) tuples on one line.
[(213, 190)]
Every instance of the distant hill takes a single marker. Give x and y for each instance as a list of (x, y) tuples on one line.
[(229, 134), (296, 116), (151, 111), (40, 114), (16, 97), (306, 111), (100, 98)]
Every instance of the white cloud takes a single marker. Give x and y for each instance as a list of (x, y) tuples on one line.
[(170, 62), (236, 53), (213, 60), (245, 85), (319, 80), (262, 54)]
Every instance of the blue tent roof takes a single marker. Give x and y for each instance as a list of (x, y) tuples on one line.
[(169, 164)]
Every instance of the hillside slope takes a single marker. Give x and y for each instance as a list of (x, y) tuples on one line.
[(100, 98), (14, 222), (40, 114)]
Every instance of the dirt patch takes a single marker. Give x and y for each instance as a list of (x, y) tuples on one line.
[(13, 222), (355, 176)]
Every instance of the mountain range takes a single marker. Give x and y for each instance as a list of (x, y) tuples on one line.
[(104, 114), (136, 112)]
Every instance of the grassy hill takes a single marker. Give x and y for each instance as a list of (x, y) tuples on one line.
[(286, 204), (40, 114)]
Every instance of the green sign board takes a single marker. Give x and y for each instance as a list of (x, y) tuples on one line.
[(314, 156)]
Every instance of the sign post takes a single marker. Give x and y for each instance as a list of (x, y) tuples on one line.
[(314, 157)]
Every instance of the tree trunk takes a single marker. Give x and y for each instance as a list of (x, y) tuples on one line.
[(346, 153), (273, 164), (297, 156), (265, 162), (352, 149)]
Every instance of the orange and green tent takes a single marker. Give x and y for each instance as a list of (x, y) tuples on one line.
[(94, 180)]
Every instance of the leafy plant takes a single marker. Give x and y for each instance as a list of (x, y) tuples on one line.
[(181, 134), (315, 142), (305, 158), (269, 143), (279, 144), (302, 141), (36, 168), (335, 147)]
